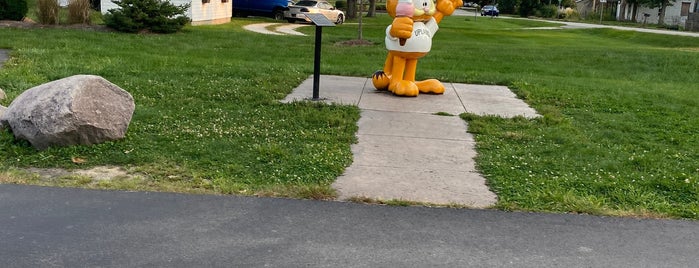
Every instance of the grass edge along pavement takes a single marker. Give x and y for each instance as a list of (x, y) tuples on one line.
[(605, 145)]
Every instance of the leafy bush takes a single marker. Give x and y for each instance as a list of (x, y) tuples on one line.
[(568, 3), (13, 9), (47, 11), (79, 11), (381, 6), (528, 7), (157, 16), (548, 11)]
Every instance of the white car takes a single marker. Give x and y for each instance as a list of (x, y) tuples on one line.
[(298, 12)]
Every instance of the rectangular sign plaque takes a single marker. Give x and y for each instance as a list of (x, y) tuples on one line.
[(320, 20)]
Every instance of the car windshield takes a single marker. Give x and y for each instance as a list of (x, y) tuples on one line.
[(306, 3), (488, 7)]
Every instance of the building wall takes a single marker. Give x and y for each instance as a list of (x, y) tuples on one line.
[(213, 12), (693, 22)]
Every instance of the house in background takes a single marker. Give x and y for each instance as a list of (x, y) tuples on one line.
[(675, 15), (682, 13), (201, 12)]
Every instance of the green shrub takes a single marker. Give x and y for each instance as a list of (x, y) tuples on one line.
[(568, 3), (79, 12), (13, 9), (528, 7), (507, 6), (548, 11), (157, 16), (380, 6), (47, 11)]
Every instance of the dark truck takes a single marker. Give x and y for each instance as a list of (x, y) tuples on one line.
[(267, 8)]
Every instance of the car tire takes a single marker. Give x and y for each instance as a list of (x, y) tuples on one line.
[(278, 15), (340, 19)]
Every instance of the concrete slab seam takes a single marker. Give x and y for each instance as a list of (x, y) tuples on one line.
[(423, 138), (461, 100), (361, 94), (441, 169)]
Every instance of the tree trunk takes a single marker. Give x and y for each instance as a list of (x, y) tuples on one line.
[(351, 9), (634, 11), (361, 14), (622, 11), (661, 15), (372, 9), (594, 5)]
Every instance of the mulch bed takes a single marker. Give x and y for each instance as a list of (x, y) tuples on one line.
[(355, 42), (29, 24)]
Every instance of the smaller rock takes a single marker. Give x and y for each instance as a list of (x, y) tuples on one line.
[(3, 123)]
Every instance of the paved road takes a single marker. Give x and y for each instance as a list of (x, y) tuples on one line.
[(58, 227)]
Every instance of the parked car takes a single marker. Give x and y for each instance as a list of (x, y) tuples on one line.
[(298, 12), (490, 11), (268, 8), (470, 4)]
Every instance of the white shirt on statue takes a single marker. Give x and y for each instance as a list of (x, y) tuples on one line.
[(420, 41)]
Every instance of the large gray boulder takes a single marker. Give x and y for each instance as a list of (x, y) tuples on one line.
[(81, 109)]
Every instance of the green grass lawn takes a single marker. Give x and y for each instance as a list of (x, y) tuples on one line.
[(618, 136)]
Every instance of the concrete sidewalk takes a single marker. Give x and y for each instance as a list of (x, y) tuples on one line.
[(407, 152)]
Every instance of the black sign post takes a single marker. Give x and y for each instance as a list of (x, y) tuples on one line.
[(320, 21)]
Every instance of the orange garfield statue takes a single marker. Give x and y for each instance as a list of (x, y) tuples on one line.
[(409, 38)]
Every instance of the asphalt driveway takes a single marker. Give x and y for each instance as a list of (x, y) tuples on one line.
[(61, 227)]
